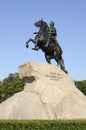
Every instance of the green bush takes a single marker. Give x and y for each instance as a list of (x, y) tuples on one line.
[(81, 85), (42, 124), (9, 86)]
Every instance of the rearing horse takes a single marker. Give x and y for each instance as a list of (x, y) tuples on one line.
[(41, 39)]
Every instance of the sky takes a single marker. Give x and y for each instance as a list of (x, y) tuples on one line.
[(17, 18)]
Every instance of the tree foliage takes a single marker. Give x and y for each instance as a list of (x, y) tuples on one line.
[(10, 85), (81, 85)]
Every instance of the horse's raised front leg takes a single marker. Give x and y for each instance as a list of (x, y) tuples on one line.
[(30, 40)]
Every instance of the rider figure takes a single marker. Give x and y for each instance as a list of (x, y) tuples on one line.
[(52, 35)]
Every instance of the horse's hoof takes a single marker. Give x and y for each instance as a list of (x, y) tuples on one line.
[(27, 46), (66, 71)]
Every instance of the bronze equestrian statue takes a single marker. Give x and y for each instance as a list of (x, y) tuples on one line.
[(45, 40)]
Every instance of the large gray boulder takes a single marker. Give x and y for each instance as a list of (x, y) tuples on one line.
[(49, 93)]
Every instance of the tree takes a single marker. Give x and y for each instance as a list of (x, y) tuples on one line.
[(81, 85), (10, 85)]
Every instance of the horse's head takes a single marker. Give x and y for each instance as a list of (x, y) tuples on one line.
[(43, 29), (39, 23)]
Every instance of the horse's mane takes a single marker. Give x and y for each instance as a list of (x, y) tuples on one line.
[(45, 26)]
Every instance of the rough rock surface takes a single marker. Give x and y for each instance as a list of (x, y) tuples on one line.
[(49, 93)]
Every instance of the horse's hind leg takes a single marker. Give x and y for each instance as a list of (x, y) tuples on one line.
[(56, 58), (57, 61), (60, 61), (48, 59)]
